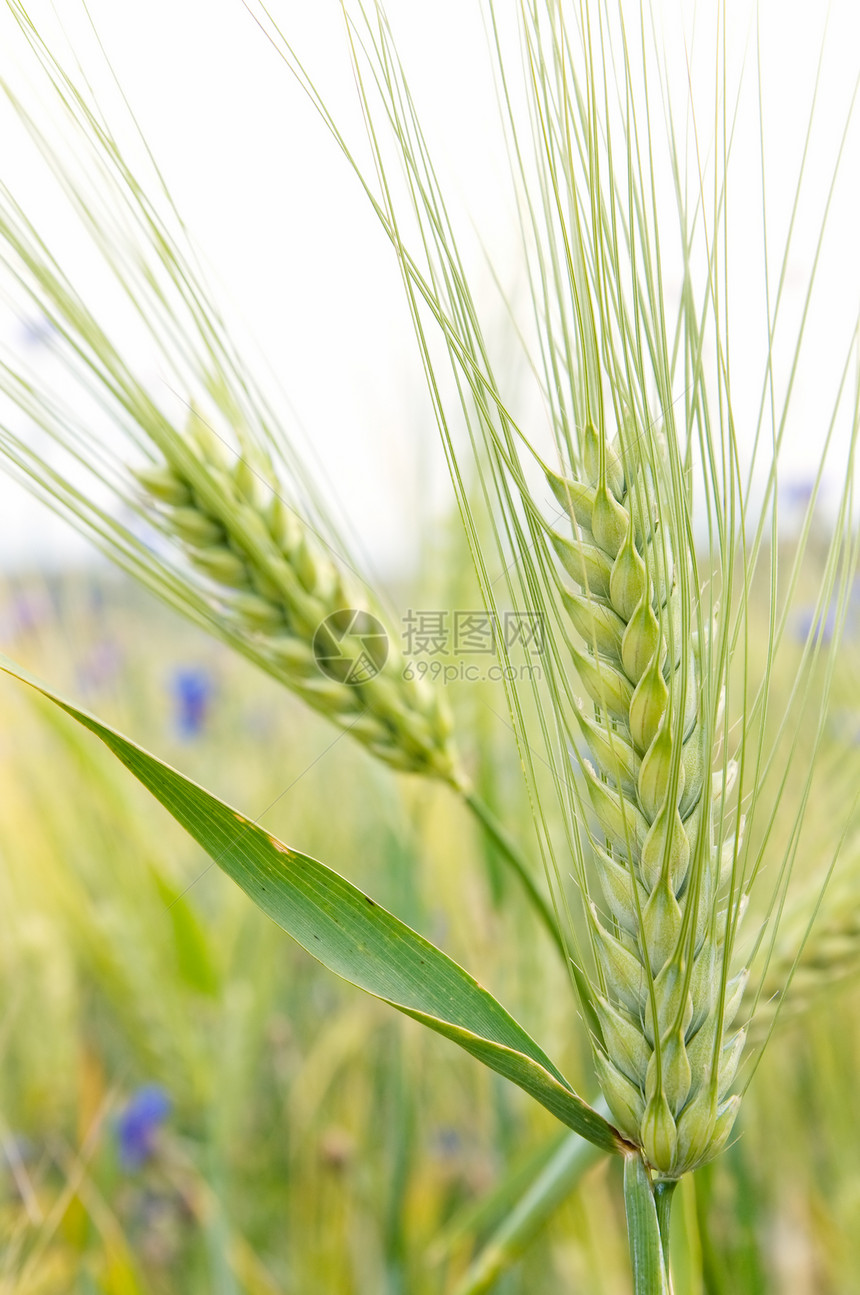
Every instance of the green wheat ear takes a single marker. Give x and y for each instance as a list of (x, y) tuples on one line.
[(254, 562), (668, 1053), (293, 603), (251, 571)]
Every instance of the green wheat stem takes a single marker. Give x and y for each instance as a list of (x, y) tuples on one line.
[(513, 856), (643, 1229), (664, 1192)]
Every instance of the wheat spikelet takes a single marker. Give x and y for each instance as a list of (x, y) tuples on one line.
[(274, 581), (667, 1057)]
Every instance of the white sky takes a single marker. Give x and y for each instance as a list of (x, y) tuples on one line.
[(300, 257)]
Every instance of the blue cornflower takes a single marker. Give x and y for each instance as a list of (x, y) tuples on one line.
[(811, 623), (138, 1124), (797, 493), (192, 693), (36, 330), (449, 1143)]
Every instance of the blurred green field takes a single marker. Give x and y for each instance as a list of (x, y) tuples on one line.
[(188, 1103)]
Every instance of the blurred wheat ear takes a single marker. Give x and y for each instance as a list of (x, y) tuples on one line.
[(248, 548), (260, 565), (291, 601)]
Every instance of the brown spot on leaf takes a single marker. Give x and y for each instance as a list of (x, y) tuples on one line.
[(279, 846)]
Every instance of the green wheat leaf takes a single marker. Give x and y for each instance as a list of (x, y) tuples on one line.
[(349, 933)]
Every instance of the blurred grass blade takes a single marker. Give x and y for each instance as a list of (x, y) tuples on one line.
[(349, 933), (479, 1218), (194, 963), (570, 1161), (646, 1252)]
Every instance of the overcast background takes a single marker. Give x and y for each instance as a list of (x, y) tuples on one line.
[(300, 259)]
